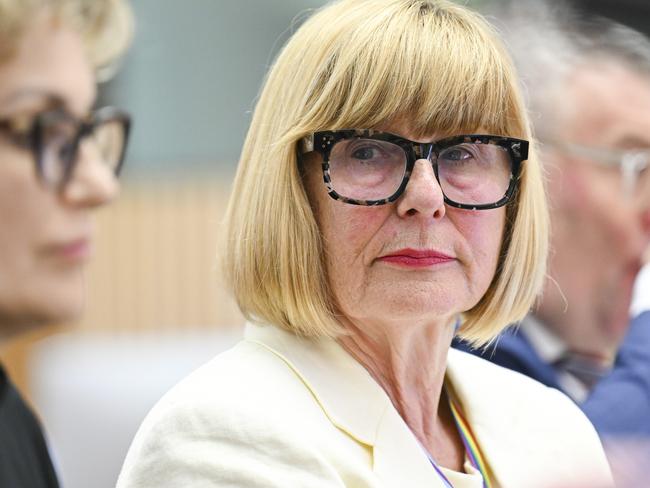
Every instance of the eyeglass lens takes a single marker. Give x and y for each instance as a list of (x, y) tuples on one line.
[(636, 174), (370, 169), (61, 143)]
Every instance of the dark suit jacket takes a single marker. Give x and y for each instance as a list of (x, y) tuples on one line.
[(24, 458), (619, 405)]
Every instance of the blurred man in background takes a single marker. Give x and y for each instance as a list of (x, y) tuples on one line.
[(588, 84), (59, 161)]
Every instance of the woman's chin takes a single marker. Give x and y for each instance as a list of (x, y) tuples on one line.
[(34, 316), (59, 305), (411, 307)]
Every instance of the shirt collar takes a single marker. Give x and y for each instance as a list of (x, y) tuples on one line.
[(548, 346)]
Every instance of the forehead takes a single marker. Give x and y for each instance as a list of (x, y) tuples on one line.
[(611, 106), (50, 62)]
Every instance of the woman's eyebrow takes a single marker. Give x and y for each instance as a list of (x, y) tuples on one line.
[(633, 142), (45, 98)]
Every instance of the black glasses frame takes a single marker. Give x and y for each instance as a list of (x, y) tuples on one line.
[(31, 136), (322, 142)]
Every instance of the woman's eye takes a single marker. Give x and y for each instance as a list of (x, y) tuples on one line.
[(364, 153), (66, 151), (457, 154), (59, 133)]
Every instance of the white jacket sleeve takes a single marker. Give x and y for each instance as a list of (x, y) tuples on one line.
[(183, 447)]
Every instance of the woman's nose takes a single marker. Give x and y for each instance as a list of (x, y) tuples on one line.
[(423, 195), (93, 183)]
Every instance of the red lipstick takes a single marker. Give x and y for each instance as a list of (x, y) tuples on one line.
[(416, 258)]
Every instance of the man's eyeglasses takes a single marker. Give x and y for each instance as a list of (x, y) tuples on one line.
[(368, 167), (55, 137), (633, 164)]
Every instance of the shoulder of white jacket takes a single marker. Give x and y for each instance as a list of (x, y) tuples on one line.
[(464, 364), (243, 382), (507, 409), (513, 394)]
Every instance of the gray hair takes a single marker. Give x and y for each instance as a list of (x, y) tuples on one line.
[(550, 40)]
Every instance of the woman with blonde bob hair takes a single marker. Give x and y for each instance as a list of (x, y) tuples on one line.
[(387, 198)]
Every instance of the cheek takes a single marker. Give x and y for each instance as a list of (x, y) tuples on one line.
[(585, 192), (349, 237), (358, 228), (483, 235), (482, 238), (348, 234), (26, 210), (594, 210), (19, 201)]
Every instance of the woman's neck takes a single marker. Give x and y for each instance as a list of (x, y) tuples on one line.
[(409, 363)]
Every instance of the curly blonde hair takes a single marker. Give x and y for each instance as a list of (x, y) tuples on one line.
[(106, 26)]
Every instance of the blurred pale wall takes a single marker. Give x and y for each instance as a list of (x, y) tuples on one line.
[(194, 74)]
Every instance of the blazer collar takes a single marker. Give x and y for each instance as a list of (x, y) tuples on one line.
[(489, 421), (499, 405), (354, 402), (548, 346)]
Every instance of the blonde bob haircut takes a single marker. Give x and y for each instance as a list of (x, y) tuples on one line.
[(358, 64), (106, 27)]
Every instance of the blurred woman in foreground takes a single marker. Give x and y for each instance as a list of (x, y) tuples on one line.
[(387, 198), (59, 161)]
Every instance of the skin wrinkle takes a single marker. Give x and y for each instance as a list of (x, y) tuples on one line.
[(400, 322), (402, 386)]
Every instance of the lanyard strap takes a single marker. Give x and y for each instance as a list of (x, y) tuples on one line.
[(471, 446), (445, 480)]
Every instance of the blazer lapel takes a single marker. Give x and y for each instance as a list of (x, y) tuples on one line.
[(499, 405), (399, 460), (494, 428), (355, 403)]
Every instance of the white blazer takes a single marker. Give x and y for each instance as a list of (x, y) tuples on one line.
[(281, 411)]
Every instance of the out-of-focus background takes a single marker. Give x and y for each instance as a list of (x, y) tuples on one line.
[(156, 308)]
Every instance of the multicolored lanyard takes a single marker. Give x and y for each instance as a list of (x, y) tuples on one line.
[(471, 448)]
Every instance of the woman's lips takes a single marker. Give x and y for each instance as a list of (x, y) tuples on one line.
[(415, 258), (75, 250)]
